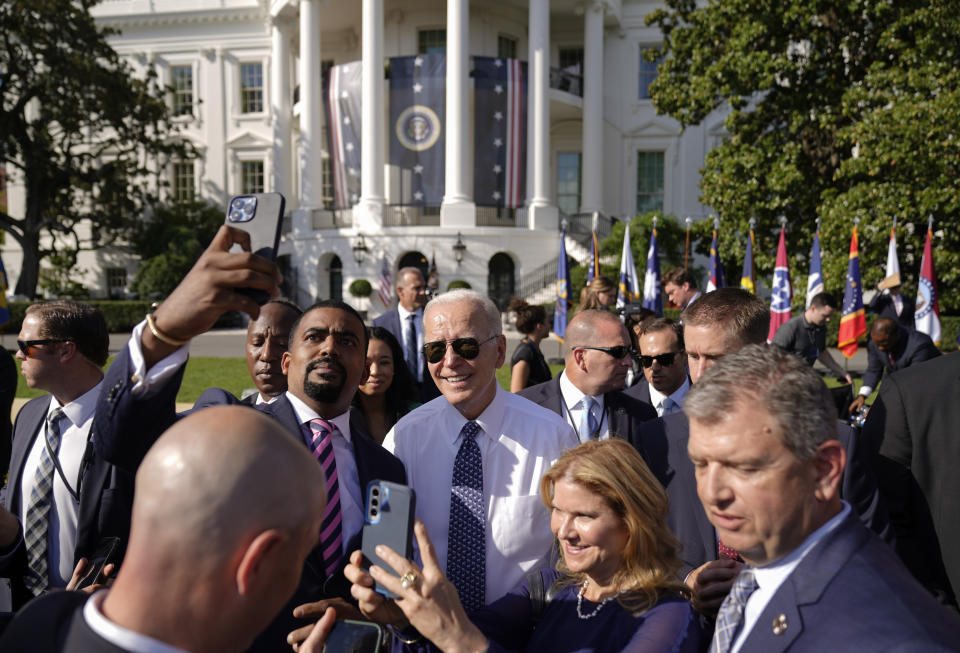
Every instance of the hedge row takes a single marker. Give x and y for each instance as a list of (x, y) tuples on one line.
[(121, 316)]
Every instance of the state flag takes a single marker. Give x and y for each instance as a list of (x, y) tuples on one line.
[(853, 320)]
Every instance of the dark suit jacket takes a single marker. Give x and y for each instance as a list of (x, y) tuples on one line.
[(221, 397), (851, 593), (623, 414), (665, 442), (121, 411), (391, 322), (913, 424), (913, 347), (8, 390), (882, 305), (640, 391), (106, 496), (54, 623)]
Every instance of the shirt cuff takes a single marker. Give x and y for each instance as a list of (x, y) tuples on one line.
[(865, 391), (147, 380)]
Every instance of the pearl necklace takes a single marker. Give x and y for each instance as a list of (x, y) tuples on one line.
[(597, 609)]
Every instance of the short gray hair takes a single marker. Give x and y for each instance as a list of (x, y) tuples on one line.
[(464, 295), (403, 272), (793, 394)]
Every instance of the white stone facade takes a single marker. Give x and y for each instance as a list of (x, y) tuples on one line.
[(220, 44)]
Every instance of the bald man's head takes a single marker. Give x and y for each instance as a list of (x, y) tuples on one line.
[(219, 476), (598, 348), (885, 333)]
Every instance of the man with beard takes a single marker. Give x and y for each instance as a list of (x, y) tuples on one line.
[(324, 364)]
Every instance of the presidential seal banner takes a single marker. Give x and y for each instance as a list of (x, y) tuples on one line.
[(342, 93), (500, 132), (417, 86)]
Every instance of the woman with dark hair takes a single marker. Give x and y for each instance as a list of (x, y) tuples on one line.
[(601, 292), (389, 392), (528, 366), (615, 587)]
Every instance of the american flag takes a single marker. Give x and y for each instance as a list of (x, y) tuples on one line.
[(343, 131), (500, 134), (433, 279), (386, 289)]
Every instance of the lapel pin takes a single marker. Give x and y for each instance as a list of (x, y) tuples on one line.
[(780, 624)]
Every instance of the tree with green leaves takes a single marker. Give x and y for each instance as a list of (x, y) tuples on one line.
[(837, 110), (78, 131)]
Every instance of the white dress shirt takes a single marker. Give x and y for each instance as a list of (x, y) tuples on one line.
[(677, 397), (126, 639), (571, 398), (74, 433), (351, 494), (417, 322), (771, 577), (518, 443)]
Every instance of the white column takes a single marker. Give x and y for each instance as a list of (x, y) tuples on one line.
[(311, 106), (592, 163), (541, 214), (280, 96), (458, 209), (369, 213)]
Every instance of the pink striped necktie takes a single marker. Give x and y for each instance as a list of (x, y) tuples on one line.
[(331, 536)]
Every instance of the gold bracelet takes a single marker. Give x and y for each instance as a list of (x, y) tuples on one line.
[(161, 336)]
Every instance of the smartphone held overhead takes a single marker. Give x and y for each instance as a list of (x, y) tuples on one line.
[(261, 216)]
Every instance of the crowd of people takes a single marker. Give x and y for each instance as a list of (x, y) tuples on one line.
[(678, 486)]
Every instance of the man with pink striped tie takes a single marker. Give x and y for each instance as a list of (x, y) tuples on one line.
[(324, 364)]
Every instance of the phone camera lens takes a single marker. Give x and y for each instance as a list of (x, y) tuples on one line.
[(374, 503), (373, 511)]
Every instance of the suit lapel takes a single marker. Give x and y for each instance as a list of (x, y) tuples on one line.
[(28, 424)]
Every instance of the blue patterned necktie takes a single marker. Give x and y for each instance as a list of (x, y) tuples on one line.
[(466, 549), (411, 345), (37, 523), (588, 421), (331, 533), (731, 612)]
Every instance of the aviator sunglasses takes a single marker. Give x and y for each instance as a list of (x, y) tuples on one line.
[(465, 348), (665, 360), (27, 346)]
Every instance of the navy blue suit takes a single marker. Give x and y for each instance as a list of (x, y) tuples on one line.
[(221, 397), (106, 497), (913, 347), (640, 391), (623, 414), (882, 304), (130, 425), (851, 593), (665, 442), (390, 321)]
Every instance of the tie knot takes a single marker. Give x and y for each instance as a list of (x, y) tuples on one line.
[(55, 417), (320, 427), (470, 430), (743, 586), (588, 403)]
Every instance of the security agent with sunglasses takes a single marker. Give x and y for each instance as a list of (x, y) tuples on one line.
[(66, 498), (489, 444), (588, 393), (664, 364)]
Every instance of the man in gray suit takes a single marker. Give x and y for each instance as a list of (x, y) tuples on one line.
[(764, 443)]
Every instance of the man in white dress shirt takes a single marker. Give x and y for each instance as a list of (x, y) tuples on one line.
[(768, 461), (513, 441), (217, 545)]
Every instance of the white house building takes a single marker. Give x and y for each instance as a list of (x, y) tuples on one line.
[(247, 89)]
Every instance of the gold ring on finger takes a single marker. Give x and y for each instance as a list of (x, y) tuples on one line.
[(409, 579)]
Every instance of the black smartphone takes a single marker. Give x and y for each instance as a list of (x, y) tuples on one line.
[(108, 551), (389, 520), (350, 636), (261, 216)]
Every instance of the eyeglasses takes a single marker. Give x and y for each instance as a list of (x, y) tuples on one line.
[(617, 352), (27, 346), (665, 360), (465, 348)]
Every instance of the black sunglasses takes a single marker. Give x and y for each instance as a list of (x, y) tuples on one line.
[(665, 360), (26, 345), (617, 352), (465, 348)]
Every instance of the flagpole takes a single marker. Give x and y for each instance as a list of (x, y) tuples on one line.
[(686, 250)]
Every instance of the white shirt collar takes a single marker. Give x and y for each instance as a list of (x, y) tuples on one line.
[(678, 395), (490, 420), (405, 314), (80, 409), (126, 639), (266, 400), (305, 414), (775, 573), (571, 395)]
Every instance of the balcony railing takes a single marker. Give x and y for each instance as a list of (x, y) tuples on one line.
[(399, 215), (332, 218), (567, 81), (495, 216)]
